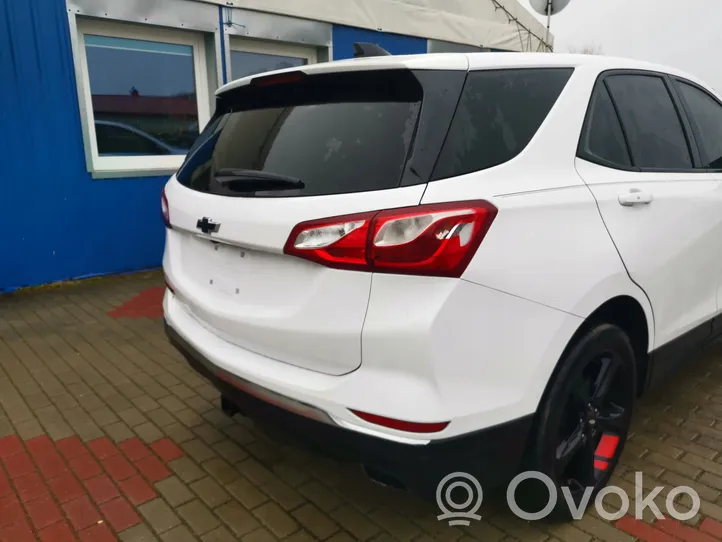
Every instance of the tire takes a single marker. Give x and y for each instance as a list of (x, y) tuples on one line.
[(579, 435)]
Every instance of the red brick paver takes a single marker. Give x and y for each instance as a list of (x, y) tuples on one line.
[(167, 450), (5, 487), (71, 448), (66, 488), (137, 490), (103, 448), (120, 514), (118, 468), (152, 468), (43, 512), (60, 532), (85, 467), (29, 487), (97, 533), (682, 531), (81, 513), (712, 527), (10, 445), (134, 449), (20, 531), (147, 304), (107, 434), (11, 511), (101, 489)]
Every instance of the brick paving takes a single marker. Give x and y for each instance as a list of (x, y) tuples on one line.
[(106, 434)]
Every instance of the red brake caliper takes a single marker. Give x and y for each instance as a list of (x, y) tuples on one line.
[(605, 451)]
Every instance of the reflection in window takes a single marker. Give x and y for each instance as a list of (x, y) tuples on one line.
[(144, 96), (650, 120), (604, 137), (707, 114), (244, 63)]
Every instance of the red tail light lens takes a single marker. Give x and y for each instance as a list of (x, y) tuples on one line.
[(436, 239), (164, 209)]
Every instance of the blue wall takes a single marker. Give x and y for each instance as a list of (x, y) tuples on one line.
[(345, 36), (56, 222)]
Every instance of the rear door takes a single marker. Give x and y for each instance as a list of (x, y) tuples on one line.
[(663, 215), (283, 150), (705, 115)]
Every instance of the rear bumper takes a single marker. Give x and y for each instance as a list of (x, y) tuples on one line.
[(492, 455)]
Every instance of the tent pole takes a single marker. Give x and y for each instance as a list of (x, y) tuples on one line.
[(549, 23)]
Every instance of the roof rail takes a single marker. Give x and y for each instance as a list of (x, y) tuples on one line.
[(363, 49)]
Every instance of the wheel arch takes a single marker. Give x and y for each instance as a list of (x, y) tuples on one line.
[(631, 316)]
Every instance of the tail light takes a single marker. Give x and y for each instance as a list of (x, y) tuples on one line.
[(164, 209), (435, 239)]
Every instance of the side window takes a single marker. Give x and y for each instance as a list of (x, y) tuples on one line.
[(706, 113), (143, 95), (249, 57), (650, 120), (244, 63), (498, 114), (603, 138), (147, 85)]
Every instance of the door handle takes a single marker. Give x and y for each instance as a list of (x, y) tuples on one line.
[(635, 197)]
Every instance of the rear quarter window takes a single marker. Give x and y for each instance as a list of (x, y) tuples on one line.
[(498, 114), (603, 140)]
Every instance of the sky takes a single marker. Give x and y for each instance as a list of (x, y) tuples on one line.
[(684, 34)]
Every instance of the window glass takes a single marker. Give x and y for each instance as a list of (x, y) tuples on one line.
[(707, 115), (604, 138), (115, 136), (651, 122), (337, 133), (498, 114), (145, 88), (244, 63)]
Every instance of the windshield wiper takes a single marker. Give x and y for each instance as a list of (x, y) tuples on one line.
[(251, 179)]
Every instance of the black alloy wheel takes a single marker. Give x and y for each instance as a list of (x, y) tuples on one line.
[(584, 419)]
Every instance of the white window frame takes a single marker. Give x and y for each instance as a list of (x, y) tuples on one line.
[(267, 47), (115, 166)]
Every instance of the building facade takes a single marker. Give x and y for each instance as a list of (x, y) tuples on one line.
[(101, 99)]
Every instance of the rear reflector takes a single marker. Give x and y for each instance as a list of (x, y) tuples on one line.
[(169, 286), (436, 239), (164, 208), (400, 425)]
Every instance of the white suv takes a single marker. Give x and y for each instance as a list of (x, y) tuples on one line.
[(455, 262)]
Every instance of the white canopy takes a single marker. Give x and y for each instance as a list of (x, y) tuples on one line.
[(502, 24)]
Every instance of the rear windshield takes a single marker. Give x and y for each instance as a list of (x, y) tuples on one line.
[(335, 133), (498, 114)]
